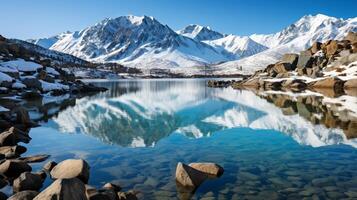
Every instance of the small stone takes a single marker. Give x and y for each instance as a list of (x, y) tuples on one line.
[(71, 168), (112, 186), (49, 166)]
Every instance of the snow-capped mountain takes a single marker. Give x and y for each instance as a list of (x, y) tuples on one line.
[(48, 42), (200, 33), (292, 39), (141, 42), (239, 46)]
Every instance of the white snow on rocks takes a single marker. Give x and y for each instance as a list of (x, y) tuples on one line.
[(46, 86), (5, 78), (21, 65)]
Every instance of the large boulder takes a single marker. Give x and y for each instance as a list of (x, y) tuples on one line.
[(352, 37), (291, 58), (316, 46), (208, 168), (305, 59), (188, 176), (71, 168), (12, 136), (13, 168), (352, 83), (283, 67), (331, 82), (62, 189), (28, 181), (12, 151), (24, 195), (333, 48)]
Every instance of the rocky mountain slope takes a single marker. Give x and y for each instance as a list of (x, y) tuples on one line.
[(200, 33), (294, 38)]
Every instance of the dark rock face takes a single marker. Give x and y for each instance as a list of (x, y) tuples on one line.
[(13, 168), (24, 195), (73, 189), (27, 181)]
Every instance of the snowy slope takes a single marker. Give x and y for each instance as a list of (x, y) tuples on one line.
[(239, 46), (138, 42), (200, 33), (48, 42), (295, 38)]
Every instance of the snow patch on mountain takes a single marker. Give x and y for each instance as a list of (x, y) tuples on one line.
[(200, 33)]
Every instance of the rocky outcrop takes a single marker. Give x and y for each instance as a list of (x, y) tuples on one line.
[(324, 65), (27, 181)]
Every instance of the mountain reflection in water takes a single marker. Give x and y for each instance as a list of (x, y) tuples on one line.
[(140, 113)]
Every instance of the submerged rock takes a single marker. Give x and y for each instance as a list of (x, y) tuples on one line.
[(71, 168)]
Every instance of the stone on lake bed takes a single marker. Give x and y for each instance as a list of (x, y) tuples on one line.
[(112, 186), (208, 168), (73, 189), (71, 168), (24, 195)]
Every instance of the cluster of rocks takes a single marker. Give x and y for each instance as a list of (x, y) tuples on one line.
[(316, 110), (324, 65)]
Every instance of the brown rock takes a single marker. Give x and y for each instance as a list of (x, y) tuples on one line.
[(331, 82), (208, 168), (71, 168), (352, 83), (24, 195), (130, 195), (291, 58), (188, 176), (73, 189), (352, 37), (12, 151), (111, 186), (27, 181), (35, 158), (283, 67), (12, 136), (333, 48), (315, 47), (42, 75), (13, 168), (49, 166)]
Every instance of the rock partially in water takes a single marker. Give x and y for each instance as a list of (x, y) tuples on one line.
[(24, 195), (71, 168), (28, 181), (35, 158), (49, 166), (188, 176), (112, 186), (72, 188), (208, 168), (12, 151), (13, 136)]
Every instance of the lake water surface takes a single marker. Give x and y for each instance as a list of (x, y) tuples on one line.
[(271, 146)]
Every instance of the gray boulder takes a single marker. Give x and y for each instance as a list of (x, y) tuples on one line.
[(62, 189), (71, 168), (27, 181)]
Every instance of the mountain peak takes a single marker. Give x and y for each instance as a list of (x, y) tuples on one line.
[(200, 33)]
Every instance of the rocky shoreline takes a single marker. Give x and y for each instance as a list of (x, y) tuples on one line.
[(330, 65)]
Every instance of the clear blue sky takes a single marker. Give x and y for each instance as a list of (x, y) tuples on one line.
[(40, 18)]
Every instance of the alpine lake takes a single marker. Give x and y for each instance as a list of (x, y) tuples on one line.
[(272, 145)]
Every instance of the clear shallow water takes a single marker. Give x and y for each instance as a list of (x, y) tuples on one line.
[(135, 134)]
